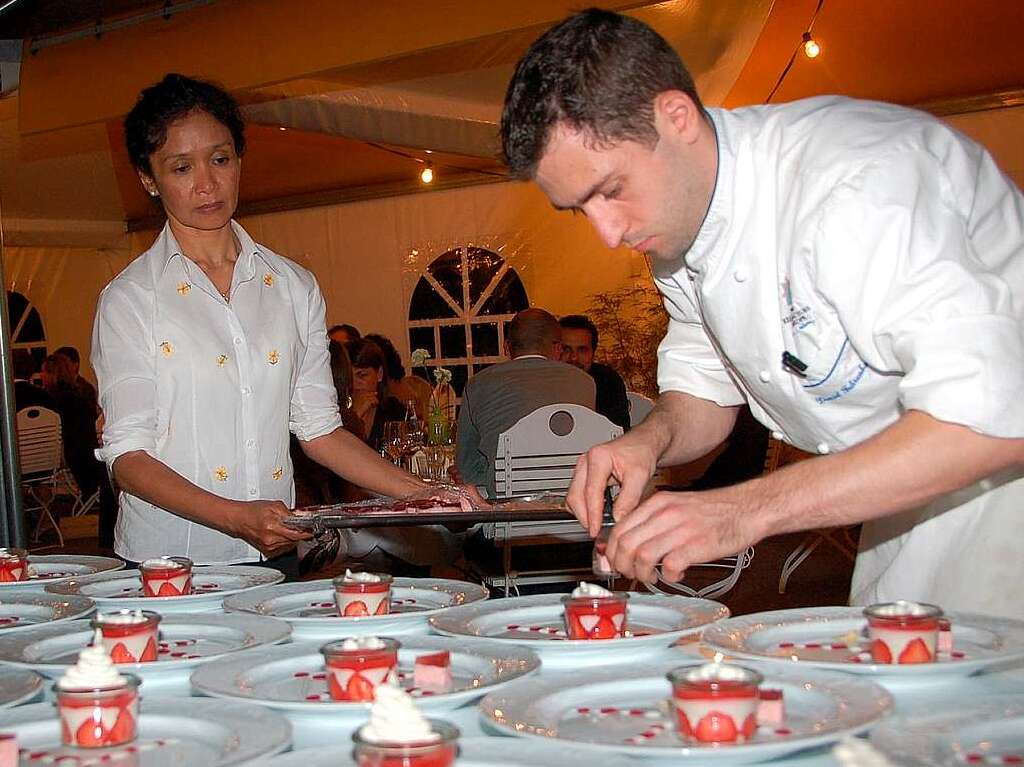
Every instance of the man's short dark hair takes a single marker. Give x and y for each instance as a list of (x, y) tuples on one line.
[(532, 331), (71, 353), (145, 127), (351, 330), (598, 72), (581, 322), (393, 367)]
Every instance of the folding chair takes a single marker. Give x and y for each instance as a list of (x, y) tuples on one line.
[(41, 457), (639, 407), (538, 455)]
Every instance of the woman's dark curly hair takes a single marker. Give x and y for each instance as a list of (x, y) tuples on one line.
[(145, 127)]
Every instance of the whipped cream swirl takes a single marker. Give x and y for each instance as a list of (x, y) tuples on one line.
[(94, 669), (361, 577), (590, 590), (363, 643), (394, 718), (122, 618), (161, 562)]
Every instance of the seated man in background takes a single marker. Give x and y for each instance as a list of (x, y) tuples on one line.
[(579, 342), (85, 389), (495, 399), (344, 333), (26, 393)]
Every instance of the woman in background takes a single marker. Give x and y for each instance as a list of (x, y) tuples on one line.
[(370, 398)]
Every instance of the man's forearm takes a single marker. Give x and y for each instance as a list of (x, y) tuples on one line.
[(682, 428), (143, 476), (349, 457), (915, 460)]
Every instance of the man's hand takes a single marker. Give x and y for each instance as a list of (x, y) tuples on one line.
[(259, 523), (626, 461), (678, 530)]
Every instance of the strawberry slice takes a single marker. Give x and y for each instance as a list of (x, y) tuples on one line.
[(442, 658), (91, 734), (749, 726), (359, 688), (383, 608), (716, 727), (167, 590), (120, 654), (880, 652), (335, 689), (65, 732), (916, 652), (356, 608), (604, 629), (123, 729), (683, 723), (149, 653)]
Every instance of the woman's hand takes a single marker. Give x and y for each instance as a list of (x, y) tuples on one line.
[(261, 525), (364, 401)]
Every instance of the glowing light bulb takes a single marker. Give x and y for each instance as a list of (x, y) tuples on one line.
[(427, 175), (811, 48)]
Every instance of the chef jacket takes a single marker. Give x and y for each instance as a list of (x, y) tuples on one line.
[(885, 251)]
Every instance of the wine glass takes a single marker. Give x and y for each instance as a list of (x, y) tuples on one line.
[(393, 441)]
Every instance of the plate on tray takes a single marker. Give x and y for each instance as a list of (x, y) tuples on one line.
[(835, 638), (292, 677), (186, 641), (53, 568), (210, 585), (172, 732), (310, 607), (655, 622), (18, 686), (623, 711), (24, 610), (989, 731), (473, 752)]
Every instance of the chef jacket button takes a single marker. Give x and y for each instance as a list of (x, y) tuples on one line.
[(765, 376), (823, 448), (740, 275), (777, 435)]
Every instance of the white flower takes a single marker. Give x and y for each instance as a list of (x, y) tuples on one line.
[(419, 356), (442, 375)]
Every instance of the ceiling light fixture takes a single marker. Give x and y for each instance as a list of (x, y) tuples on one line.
[(811, 47), (427, 174)]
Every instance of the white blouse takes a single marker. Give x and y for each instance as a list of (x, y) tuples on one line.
[(885, 252), (209, 387)]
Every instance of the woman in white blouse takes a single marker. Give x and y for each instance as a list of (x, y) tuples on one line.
[(209, 349)]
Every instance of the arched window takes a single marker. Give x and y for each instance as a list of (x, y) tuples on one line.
[(27, 334), (459, 309)]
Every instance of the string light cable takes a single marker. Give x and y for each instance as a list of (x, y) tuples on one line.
[(808, 45)]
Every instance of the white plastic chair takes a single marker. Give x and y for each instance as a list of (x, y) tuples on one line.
[(538, 455), (639, 407), (41, 457)]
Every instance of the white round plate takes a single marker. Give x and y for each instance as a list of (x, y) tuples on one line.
[(310, 607), (624, 711), (18, 686), (172, 732), (985, 732), (210, 585), (473, 752), (25, 610), (820, 637), (53, 568), (186, 641), (655, 622), (292, 677)]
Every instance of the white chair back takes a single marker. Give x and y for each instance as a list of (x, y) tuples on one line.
[(639, 407), (539, 453), (39, 443)]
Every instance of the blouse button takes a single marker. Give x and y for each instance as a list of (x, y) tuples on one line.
[(777, 435), (250, 443), (740, 275), (765, 376), (238, 340), (823, 448)]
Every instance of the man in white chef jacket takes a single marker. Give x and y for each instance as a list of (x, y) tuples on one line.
[(852, 270)]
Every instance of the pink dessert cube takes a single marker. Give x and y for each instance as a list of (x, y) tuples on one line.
[(945, 644), (771, 710), (433, 671), (8, 750)]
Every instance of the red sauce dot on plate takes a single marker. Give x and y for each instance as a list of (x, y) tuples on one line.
[(636, 712), (583, 710), (786, 645), (783, 731), (312, 697), (956, 654), (974, 758), (1013, 759), (300, 674), (609, 710), (513, 627)]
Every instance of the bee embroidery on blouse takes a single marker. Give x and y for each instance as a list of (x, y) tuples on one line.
[(268, 280), (278, 473), (166, 348), (273, 358), (221, 473), (221, 359), (184, 288)]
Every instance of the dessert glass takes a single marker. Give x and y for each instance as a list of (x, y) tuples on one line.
[(716, 702), (595, 617), (903, 632), (13, 565), (101, 716), (430, 753), (166, 577), (129, 636), (356, 598), (353, 675)]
